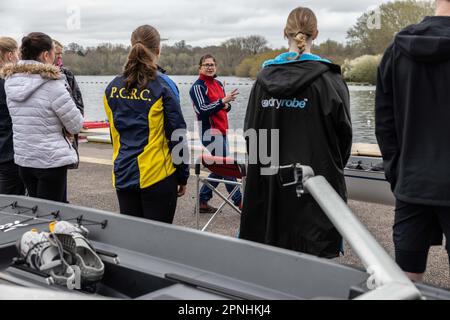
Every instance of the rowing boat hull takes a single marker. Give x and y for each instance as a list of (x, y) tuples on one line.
[(150, 260), (368, 185)]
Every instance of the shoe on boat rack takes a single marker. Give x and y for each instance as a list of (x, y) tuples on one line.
[(73, 240), (42, 251), (37, 251)]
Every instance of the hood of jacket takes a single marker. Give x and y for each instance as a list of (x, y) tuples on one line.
[(25, 77), (283, 76), (428, 41)]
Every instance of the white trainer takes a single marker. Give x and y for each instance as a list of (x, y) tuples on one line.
[(37, 251), (41, 251), (73, 240)]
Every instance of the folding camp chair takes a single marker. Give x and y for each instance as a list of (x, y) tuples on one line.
[(223, 166)]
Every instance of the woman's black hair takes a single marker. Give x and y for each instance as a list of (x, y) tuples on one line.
[(34, 44)]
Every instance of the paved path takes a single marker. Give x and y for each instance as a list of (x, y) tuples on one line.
[(91, 186)]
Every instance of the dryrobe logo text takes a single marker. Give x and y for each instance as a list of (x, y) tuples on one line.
[(284, 103)]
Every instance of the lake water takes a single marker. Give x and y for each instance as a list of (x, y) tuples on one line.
[(362, 103)]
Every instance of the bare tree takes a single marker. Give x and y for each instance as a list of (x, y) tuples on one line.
[(254, 44)]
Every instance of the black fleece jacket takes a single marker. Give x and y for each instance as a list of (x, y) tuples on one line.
[(413, 112)]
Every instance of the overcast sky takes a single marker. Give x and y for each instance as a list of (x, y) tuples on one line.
[(198, 22)]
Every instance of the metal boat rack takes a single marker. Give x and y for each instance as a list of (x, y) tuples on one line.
[(387, 280)]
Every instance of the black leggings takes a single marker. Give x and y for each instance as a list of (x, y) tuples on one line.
[(44, 183), (10, 182), (157, 202)]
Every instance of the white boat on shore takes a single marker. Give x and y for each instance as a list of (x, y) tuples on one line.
[(366, 180)]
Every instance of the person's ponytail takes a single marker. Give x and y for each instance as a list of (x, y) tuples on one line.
[(141, 66), (301, 39)]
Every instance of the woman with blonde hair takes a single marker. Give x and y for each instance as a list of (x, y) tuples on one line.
[(143, 109), (304, 98), (10, 182)]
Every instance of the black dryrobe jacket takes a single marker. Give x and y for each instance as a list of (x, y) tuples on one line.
[(308, 102)]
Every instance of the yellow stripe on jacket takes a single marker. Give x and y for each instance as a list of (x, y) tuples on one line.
[(155, 162), (115, 136)]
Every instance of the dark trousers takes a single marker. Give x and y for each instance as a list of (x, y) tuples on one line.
[(45, 183), (10, 182), (73, 166), (157, 202)]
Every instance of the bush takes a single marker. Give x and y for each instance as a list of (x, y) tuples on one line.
[(250, 66), (362, 69), (243, 69)]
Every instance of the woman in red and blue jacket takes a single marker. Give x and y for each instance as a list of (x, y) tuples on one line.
[(211, 106)]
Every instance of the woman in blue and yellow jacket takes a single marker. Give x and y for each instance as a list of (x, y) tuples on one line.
[(146, 122)]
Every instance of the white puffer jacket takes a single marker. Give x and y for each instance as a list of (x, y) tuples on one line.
[(40, 107)]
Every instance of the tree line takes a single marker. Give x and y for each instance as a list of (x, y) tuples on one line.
[(243, 56), (180, 58)]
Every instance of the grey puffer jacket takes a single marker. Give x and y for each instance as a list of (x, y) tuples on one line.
[(40, 107)]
